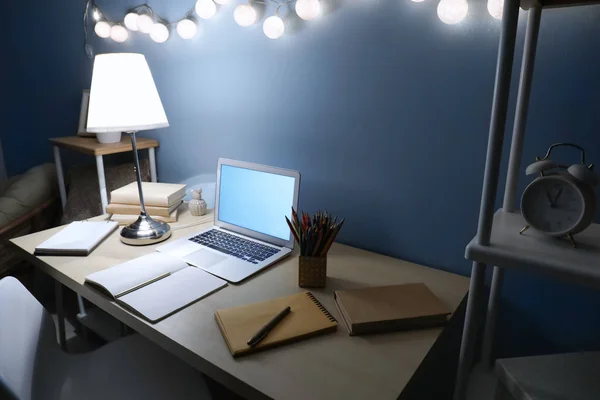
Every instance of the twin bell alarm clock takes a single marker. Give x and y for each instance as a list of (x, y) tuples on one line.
[(561, 201)]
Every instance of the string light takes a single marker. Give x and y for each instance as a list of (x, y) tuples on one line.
[(244, 15), (102, 29), (159, 33), (187, 29), (273, 27), (142, 18), (206, 9), (131, 21), (495, 8), (452, 11), (145, 23), (118, 33), (308, 9)]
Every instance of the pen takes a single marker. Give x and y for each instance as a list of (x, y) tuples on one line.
[(264, 331)]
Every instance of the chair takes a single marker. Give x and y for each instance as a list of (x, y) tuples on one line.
[(32, 366)]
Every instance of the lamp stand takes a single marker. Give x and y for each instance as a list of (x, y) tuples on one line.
[(145, 230)]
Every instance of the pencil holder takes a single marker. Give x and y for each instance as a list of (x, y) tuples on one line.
[(312, 271)]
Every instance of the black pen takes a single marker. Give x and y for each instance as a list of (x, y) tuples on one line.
[(264, 331)]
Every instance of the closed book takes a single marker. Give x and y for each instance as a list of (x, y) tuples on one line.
[(307, 318), (155, 194), (126, 219), (135, 209), (390, 308)]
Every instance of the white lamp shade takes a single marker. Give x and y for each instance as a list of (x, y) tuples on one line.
[(123, 96)]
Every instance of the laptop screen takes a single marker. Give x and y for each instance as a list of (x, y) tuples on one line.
[(256, 200)]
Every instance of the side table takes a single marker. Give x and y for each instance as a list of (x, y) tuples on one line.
[(92, 147)]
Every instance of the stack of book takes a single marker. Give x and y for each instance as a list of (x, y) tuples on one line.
[(163, 202)]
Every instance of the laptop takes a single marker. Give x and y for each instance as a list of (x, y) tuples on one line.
[(249, 232)]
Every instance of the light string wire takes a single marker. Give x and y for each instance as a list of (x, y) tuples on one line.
[(91, 4)]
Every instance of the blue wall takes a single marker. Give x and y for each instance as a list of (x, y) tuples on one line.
[(383, 109)]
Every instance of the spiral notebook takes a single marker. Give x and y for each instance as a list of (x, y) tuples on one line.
[(307, 318)]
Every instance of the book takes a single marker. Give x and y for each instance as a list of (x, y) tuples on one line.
[(307, 318), (78, 238), (155, 194), (135, 209), (390, 308), (156, 285), (126, 219)]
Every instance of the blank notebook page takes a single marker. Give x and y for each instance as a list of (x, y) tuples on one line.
[(168, 295)]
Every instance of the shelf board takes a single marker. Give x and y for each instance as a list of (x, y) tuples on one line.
[(538, 253), (527, 4)]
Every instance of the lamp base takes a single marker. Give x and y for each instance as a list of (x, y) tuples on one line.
[(145, 231)]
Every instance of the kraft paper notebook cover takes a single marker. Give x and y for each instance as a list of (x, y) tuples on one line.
[(307, 318), (390, 308), (155, 194)]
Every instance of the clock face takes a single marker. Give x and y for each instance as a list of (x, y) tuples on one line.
[(553, 204)]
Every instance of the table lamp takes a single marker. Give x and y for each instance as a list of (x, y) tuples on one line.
[(123, 98)]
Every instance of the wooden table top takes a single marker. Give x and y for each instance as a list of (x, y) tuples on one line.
[(326, 367), (92, 147)]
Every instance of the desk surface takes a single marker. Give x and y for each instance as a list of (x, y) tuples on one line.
[(92, 147), (325, 367)]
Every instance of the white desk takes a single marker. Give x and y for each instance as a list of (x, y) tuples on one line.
[(326, 367)]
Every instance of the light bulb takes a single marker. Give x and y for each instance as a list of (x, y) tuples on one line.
[(308, 9), (205, 8), (222, 2), (102, 29), (131, 21), (495, 8), (244, 15), (273, 27), (97, 15), (186, 28), (159, 33), (452, 11), (118, 33), (145, 23)]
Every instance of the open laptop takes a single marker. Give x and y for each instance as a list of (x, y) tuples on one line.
[(250, 232)]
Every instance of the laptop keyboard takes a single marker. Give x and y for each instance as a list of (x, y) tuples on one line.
[(236, 246)]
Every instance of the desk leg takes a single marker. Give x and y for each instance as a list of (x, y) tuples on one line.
[(60, 176), (60, 313), (465, 359), (102, 183), (492, 317), (152, 159)]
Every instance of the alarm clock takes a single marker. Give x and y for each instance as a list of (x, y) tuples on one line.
[(561, 201)]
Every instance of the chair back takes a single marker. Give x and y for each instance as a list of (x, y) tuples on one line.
[(26, 329)]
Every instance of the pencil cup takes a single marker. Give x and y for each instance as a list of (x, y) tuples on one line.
[(312, 271)]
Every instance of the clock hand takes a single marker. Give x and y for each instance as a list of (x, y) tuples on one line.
[(556, 198), (549, 198)]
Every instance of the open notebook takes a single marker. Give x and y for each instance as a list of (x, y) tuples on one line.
[(155, 285), (307, 318)]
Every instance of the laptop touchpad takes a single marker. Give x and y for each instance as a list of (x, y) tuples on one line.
[(204, 258)]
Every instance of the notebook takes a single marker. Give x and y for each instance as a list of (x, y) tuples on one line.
[(390, 308), (307, 318), (155, 194), (135, 209), (156, 285), (76, 239)]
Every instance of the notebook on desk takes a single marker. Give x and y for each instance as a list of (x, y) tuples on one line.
[(78, 238), (307, 318), (156, 285), (390, 308)]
